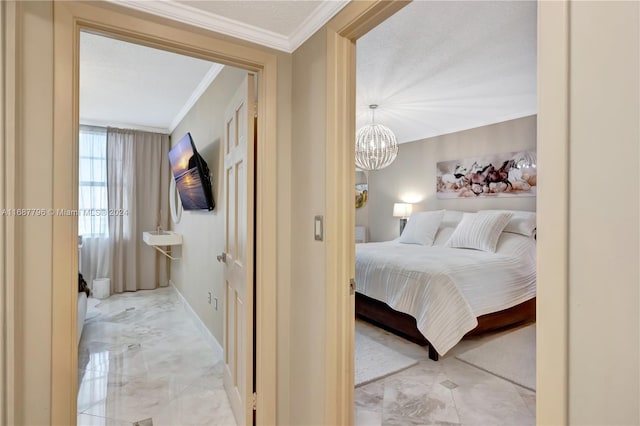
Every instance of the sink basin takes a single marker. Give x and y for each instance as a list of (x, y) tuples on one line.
[(162, 238)]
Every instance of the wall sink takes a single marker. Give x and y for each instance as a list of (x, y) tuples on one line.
[(162, 238)]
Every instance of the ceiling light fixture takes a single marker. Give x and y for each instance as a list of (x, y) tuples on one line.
[(376, 145)]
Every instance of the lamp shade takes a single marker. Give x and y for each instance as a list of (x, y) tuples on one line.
[(402, 210)]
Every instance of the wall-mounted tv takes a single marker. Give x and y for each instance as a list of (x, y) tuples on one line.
[(192, 175)]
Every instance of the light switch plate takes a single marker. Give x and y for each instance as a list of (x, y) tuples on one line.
[(318, 228)]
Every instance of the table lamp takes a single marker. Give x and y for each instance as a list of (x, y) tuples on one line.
[(403, 211)]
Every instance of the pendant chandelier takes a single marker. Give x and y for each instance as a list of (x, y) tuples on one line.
[(376, 145)]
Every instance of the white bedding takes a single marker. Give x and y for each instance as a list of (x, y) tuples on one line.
[(82, 312), (444, 288)]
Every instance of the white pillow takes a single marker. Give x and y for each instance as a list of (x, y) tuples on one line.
[(444, 233), (521, 222), (451, 218), (421, 228), (479, 231)]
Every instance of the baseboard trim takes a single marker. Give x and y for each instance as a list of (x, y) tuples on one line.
[(206, 334)]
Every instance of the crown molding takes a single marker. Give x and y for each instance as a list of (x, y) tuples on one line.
[(200, 18), (204, 84), (320, 16), (121, 125), (210, 21)]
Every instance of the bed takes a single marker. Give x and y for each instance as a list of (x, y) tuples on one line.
[(435, 294)]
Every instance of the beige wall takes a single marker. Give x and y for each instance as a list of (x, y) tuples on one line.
[(197, 272), (412, 176), (34, 260), (604, 224), (307, 255), (604, 277), (33, 293)]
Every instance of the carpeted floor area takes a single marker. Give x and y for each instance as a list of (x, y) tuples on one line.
[(374, 361), (511, 356)]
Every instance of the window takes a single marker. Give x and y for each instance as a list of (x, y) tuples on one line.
[(92, 193)]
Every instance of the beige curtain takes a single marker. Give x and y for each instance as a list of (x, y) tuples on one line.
[(138, 186)]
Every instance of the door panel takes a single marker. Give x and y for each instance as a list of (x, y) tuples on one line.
[(239, 262)]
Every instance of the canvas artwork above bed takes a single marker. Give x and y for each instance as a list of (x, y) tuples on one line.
[(512, 174)]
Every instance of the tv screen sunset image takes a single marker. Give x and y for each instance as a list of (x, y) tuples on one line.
[(185, 171)]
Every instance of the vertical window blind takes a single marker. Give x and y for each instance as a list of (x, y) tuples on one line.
[(92, 193)]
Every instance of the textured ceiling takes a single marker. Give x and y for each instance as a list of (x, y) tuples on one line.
[(433, 68), (441, 67), (128, 85), (282, 17)]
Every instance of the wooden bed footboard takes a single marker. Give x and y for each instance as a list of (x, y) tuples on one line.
[(404, 325)]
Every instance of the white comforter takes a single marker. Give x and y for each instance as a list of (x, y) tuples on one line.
[(445, 289)]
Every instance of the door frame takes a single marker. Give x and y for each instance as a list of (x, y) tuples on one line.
[(8, 178), (552, 207), (355, 20), (69, 19)]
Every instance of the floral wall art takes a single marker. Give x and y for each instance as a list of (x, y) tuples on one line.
[(512, 174)]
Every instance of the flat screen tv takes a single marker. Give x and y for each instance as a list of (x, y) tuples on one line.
[(192, 175)]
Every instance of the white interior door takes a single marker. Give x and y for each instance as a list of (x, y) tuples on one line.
[(239, 254)]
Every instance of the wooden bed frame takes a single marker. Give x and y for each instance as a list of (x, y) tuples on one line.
[(404, 325)]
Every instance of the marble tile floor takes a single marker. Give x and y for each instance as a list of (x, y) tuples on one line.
[(141, 357), (446, 392)]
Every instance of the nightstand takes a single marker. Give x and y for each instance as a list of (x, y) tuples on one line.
[(361, 234)]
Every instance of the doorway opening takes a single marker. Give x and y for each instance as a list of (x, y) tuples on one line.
[(71, 20), (156, 325), (455, 113)]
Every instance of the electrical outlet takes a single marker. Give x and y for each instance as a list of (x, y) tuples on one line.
[(209, 298), (215, 303)]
